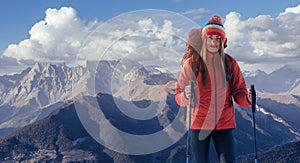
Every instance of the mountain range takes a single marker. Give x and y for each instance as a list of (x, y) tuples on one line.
[(282, 80), (39, 122), (61, 136)]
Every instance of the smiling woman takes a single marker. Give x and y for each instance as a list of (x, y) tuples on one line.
[(217, 83)]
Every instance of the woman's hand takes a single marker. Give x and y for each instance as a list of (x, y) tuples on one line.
[(249, 96), (188, 91)]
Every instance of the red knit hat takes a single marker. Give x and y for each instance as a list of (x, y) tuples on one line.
[(214, 27)]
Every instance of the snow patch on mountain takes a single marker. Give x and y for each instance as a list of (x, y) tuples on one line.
[(280, 120), (254, 73), (284, 98)]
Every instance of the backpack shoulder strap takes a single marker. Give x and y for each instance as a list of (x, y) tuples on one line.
[(195, 64), (228, 68), (198, 65)]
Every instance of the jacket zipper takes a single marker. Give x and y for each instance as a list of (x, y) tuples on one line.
[(215, 92)]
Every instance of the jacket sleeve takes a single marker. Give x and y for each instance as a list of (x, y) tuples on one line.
[(239, 88), (183, 80)]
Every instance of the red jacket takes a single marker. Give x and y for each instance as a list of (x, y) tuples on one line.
[(214, 108)]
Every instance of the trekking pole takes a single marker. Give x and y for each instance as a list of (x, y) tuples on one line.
[(253, 97), (191, 98)]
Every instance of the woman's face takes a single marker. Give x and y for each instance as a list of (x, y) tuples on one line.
[(213, 43)]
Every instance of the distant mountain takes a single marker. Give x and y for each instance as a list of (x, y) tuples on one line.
[(7, 81), (276, 115), (285, 154), (27, 96), (283, 80), (24, 96), (27, 99), (61, 137), (296, 88), (43, 84), (25, 118)]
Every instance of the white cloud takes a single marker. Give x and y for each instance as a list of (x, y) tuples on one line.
[(264, 39), (147, 24), (57, 38), (142, 38), (289, 10), (151, 39), (196, 13)]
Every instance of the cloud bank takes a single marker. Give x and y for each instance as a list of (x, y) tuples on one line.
[(63, 37), (264, 39), (55, 39)]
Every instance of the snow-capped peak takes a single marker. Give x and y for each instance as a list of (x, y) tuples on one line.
[(253, 73)]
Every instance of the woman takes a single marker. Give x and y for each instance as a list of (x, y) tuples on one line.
[(218, 81)]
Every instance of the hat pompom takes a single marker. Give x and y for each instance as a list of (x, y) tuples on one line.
[(215, 20), (214, 27)]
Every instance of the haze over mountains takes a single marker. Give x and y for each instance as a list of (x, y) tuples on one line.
[(44, 96)]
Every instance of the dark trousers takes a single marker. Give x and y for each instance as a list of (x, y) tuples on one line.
[(222, 139)]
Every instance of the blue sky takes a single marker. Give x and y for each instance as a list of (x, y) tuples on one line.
[(19, 17)]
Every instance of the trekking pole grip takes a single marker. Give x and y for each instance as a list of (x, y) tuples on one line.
[(253, 97)]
